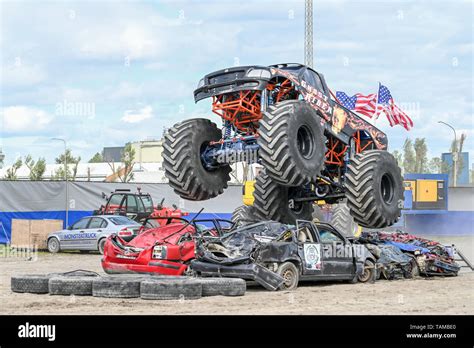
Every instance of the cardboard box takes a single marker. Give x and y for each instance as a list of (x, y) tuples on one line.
[(33, 233)]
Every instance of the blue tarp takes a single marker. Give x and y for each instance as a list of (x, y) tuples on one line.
[(408, 247)]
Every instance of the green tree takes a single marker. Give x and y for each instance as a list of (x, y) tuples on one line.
[(408, 157), (421, 155), (128, 159), (11, 172), (435, 165), (398, 157), (97, 158), (125, 171), (72, 162), (37, 168)]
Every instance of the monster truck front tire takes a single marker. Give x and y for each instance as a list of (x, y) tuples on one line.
[(374, 189), (182, 162), (272, 201), (292, 143)]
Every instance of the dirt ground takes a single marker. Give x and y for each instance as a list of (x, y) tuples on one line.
[(449, 295)]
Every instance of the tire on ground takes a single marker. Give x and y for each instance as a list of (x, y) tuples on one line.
[(368, 273), (53, 245), (292, 143), (291, 275), (342, 219), (65, 285), (374, 189), (173, 289), (182, 160), (223, 286), (272, 201), (31, 283), (244, 215), (117, 287)]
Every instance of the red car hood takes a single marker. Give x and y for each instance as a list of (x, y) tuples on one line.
[(159, 234)]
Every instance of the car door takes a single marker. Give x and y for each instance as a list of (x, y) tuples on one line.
[(309, 249), (337, 253), (90, 236), (74, 234)]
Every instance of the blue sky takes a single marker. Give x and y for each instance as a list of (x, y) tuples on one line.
[(105, 73)]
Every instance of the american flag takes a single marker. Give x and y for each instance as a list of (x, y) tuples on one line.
[(394, 114), (363, 104)]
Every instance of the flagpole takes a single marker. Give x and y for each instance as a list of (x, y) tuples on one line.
[(376, 105)]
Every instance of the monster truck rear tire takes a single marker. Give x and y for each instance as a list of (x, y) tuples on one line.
[(123, 287), (244, 215), (182, 162), (292, 143), (272, 201), (374, 189), (223, 286), (174, 289), (342, 219)]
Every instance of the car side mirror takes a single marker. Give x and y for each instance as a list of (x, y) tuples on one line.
[(69, 228)]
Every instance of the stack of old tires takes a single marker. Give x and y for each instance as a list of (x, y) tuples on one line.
[(148, 287)]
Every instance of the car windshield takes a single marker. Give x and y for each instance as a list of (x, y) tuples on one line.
[(122, 220), (148, 203)]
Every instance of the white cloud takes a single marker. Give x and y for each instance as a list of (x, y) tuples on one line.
[(19, 119), (135, 116), (20, 74)]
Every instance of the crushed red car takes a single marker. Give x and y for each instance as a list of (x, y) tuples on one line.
[(163, 246)]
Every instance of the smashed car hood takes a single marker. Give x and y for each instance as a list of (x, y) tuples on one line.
[(238, 245)]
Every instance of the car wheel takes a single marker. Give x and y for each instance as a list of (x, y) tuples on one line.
[(368, 273), (53, 245), (290, 274), (117, 287), (31, 283), (101, 246), (414, 269), (173, 289), (65, 285), (223, 286)]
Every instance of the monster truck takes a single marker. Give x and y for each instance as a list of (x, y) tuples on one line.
[(311, 147)]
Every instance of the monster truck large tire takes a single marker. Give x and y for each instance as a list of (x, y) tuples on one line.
[(31, 283), (182, 162), (244, 215), (174, 289), (117, 287), (374, 188), (272, 201), (342, 219), (292, 143), (223, 286)]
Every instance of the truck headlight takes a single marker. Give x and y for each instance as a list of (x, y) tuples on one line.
[(263, 73), (200, 83), (159, 252)]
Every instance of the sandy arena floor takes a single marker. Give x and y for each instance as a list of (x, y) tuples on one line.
[(450, 295)]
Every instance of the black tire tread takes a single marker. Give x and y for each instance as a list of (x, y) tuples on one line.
[(223, 286), (360, 191), (274, 146), (177, 152)]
